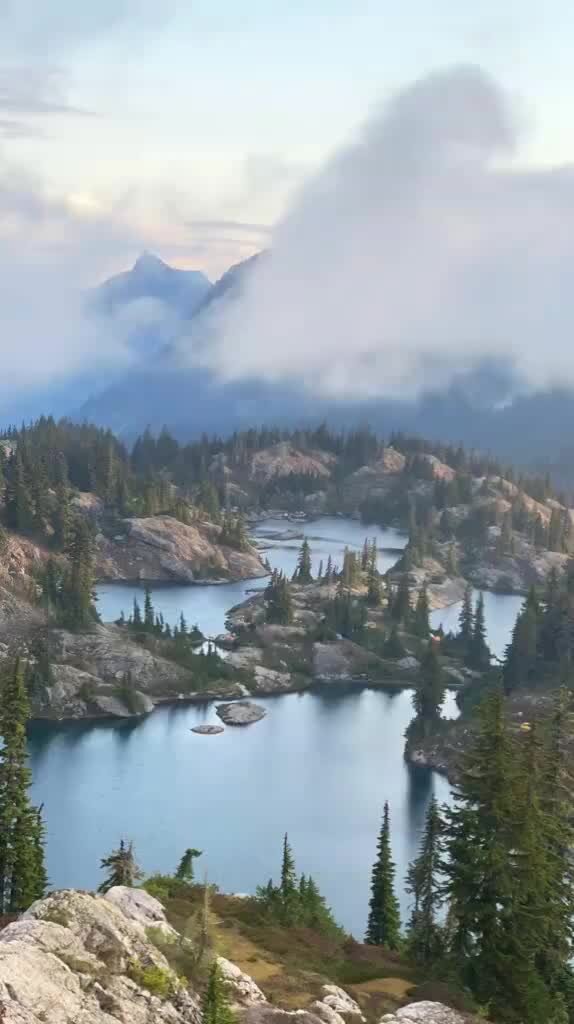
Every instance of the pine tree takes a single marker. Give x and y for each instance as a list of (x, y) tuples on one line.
[(383, 926), (401, 607), (22, 873), (424, 883), (303, 572), (421, 625), (429, 697), (329, 570), (19, 511), (394, 647), (149, 614), (479, 835), (215, 1006), (78, 609), (466, 620), (320, 570), (122, 867), (288, 888), (478, 656), (184, 871), (136, 620), (374, 590)]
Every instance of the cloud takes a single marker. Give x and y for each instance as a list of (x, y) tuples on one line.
[(416, 253), (59, 26), (35, 90), (215, 226), (50, 256)]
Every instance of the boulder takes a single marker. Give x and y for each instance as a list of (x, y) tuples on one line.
[(340, 1001), (425, 1012), (208, 730), (242, 989), (242, 712), (68, 960)]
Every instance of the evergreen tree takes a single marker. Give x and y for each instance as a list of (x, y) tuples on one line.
[(77, 599), (149, 614), (466, 620), (401, 607), (429, 697), (184, 871), (478, 656), (288, 889), (19, 510), (421, 625), (383, 926), (22, 873), (303, 572), (425, 940), (374, 589), (478, 869), (279, 605), (215, 1007), (394, 647), (122, 867)]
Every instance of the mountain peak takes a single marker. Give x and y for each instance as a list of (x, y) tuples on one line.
[(148, 263)]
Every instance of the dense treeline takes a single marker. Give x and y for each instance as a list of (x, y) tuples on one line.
[(492, 886), (43, 464), (542, 645)]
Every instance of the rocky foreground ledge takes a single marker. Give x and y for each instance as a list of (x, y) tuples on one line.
[(73, 956)]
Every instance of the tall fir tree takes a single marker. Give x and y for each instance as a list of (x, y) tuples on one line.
[(401, 606), (303, 573), (421, 625), (466, 620), (22, 873), (478, 656), (384, 924), (424, 882), (429, 696), (215, 1006)]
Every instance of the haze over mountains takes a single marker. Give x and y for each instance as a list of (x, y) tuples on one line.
[(165, 387)]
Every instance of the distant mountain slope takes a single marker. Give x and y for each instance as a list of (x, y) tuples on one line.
[(189, 400)]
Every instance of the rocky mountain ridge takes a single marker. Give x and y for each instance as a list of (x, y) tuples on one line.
[(79, 958)]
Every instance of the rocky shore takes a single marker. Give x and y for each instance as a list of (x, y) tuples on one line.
[(160, 548)]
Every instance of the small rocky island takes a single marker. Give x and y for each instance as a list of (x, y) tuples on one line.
[(208, 730), (241, 712)]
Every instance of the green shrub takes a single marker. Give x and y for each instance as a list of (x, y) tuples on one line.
[(157, 980)]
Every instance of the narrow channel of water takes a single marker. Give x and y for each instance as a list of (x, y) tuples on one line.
[(208, 604)]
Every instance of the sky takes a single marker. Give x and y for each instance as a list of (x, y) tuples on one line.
[(205, 130), (192, 126)]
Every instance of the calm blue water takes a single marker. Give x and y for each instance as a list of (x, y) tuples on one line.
[(319, 766), (500, 612), (208, 605)]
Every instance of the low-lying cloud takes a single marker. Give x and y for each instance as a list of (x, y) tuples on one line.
[(416, 254)]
